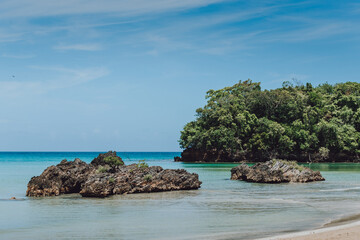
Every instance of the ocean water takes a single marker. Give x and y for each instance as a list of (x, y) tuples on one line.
[(221, 209)]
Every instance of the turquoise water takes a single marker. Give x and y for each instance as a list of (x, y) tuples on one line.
[(221, 209)]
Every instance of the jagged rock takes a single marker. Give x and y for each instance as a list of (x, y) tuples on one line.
[(193, 155), (132, 179), (66, 177), (104, 177), (275, 171), (214, 155)]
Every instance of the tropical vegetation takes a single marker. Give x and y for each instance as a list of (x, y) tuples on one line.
[(295, 121)]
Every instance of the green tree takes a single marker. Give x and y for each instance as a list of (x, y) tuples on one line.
[(292, 120)]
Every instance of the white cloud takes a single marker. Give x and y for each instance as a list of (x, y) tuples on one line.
[(39, 8), (152, 52), (9, 37), (208, 33), (79, 47), (316, 31), (65, 78), (17, 56)]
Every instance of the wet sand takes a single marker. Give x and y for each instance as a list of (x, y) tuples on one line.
[(349, 231)]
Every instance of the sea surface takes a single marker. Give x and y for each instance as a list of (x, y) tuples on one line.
[(221, 209)]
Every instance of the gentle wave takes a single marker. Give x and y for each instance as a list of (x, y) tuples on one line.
[(8, 199), (342, 220), (340, 189), (285, 200)]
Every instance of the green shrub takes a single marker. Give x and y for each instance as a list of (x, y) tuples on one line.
[(324, 152), (142, 164), (113, 161), (293, 164), (111, 180), (101, 169), (148, 178)]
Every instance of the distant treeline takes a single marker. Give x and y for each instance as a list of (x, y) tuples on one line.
[(299, 122)]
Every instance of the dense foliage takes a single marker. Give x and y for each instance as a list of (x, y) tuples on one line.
[(292, 120), (113, 161)]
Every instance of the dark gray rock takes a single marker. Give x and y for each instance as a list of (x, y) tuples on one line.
[(66, 177), (132, 179), (275, 171), (107, 175)]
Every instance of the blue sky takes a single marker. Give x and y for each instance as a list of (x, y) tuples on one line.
[(127, 75)]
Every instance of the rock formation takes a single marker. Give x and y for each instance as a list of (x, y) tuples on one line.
[(107, 175), (198, 155), (275, 171), (192, 155)]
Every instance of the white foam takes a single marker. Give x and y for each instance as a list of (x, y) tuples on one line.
[(284, 200), (340, 189), (305, 233)]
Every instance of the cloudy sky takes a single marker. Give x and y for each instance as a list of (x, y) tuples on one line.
[(126, 75)]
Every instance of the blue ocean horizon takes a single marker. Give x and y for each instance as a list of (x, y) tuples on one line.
[(83, 155)]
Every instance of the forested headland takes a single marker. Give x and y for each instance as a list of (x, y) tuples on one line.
[(295, 122)]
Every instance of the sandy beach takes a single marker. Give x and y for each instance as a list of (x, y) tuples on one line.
[(349, 231)]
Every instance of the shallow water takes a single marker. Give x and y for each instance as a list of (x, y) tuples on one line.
[(221, 209)]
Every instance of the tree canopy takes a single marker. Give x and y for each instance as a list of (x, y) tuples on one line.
[(292, 120)]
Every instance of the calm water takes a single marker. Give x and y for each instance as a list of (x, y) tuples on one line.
[(221, 209)]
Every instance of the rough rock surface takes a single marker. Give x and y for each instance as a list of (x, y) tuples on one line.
[(102, 178), (66, 177), (198, 155), (275, 171), (132, 179), (192, 155)]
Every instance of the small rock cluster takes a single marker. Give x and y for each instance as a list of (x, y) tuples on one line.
[(107, 175), (275, 171)]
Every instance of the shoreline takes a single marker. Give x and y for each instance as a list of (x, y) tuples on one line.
[(249, 162), (346, 231)]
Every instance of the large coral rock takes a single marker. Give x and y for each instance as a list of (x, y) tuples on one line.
[(107, 175), (275, 171), (66, 177), (132, 179)]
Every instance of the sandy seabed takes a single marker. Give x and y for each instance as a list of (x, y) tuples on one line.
[(349, 231)]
